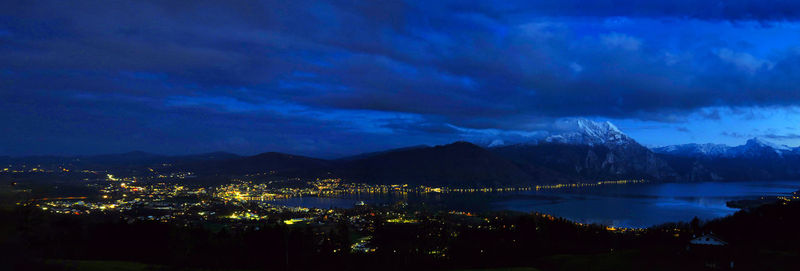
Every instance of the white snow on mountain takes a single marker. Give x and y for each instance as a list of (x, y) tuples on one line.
[(496, 143), (756, 147), (587, 132), (762, 142), (694, 149), (752, 148)]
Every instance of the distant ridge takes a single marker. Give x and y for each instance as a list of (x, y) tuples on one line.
[(459, 164), (581, 151), (127, 159), (280, 164), (695, 150), (757, 159), (754, 147), (370, 154)]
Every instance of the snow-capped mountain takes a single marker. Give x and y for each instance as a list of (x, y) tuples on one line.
[(695, 150), (755, 147), (587, 132), (757, 159), (585, 149)]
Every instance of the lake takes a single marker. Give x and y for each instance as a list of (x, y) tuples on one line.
[(629, 205)]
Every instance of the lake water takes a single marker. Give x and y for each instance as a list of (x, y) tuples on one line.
[(631, 205)]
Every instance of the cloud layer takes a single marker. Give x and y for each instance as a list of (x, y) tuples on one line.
[(339, 77)]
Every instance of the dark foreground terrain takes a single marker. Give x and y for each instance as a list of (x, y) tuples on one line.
[(764, 238)]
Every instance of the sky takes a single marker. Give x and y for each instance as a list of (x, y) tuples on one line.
[(335, 78)]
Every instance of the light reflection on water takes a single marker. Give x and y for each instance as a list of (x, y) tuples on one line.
[(643, 205), (636, 205)]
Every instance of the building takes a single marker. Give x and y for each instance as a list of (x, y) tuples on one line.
[(711, 251)]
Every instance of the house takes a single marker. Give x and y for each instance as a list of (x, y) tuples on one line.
[(708, 240), (711, 251)]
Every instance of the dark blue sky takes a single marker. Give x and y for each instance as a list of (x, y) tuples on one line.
[(331, 78)]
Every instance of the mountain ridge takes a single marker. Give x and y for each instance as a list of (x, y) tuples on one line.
[(581, 150), (752, 147), (586, 150)]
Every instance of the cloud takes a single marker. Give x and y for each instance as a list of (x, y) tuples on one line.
[(782, 137), (734, 10), (252, 76), (744, 61), (617, 40), (736, 135)]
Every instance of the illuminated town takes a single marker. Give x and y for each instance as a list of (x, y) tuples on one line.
[(243, 200), (242, 204)]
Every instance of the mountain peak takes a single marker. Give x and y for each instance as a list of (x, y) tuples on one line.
[(587, 132), (763, 143), (591, 126), (757, 146)]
